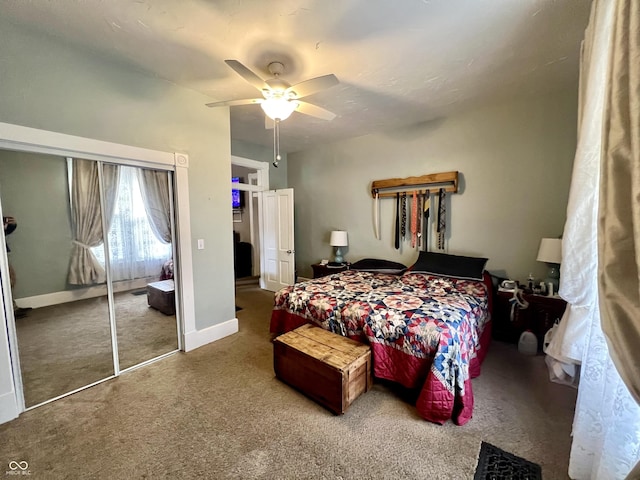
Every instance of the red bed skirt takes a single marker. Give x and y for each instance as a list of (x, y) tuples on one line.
[(435, 403)]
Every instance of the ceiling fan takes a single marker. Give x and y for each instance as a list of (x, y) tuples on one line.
[(281, 99)]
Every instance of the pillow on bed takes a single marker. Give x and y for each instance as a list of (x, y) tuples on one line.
[(469, 268), (380, 266)]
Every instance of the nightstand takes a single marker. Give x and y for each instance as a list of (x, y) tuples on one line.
[(320, 270), (539, 317)]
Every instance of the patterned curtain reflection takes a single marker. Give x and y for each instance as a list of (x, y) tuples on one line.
[(86, 218), (154, 187)]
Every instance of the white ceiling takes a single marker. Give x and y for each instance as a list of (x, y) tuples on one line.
[(399, 62)]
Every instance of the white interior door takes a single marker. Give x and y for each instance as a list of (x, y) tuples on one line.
[(278, 266)]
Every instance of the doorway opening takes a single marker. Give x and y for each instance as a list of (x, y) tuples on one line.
[(248, 179), (269, 215)]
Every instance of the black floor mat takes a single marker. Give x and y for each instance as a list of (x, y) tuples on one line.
[(139, 292), (496, 464)]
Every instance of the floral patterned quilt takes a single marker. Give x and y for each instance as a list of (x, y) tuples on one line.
[(426, 332)]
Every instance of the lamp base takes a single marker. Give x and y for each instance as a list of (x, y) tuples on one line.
[(553, 276), (338, 258)]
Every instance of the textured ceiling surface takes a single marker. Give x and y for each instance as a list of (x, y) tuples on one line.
[(398, 62)]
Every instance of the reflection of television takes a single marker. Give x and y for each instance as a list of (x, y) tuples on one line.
[(237, 197)]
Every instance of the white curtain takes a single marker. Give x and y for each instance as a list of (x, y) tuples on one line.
[(86, 218), (606, 426), (606, 429), (134, 249), (154, 187), (579, 269)]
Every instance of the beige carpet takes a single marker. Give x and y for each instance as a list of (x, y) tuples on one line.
[(219, 413), (68, 346)]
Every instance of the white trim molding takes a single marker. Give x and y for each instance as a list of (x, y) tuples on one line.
[(262, 172), (8, 407), (65, 296), (181, 160), (185, 255), (27, 139), (197, 338)]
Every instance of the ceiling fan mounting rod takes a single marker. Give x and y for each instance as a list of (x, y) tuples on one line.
[(276, 68)]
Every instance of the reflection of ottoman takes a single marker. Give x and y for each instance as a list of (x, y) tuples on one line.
[(161, 296)]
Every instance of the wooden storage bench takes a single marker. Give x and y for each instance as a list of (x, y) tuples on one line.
[(331, 369)]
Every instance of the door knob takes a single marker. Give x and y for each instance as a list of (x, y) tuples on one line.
[(291, 251)]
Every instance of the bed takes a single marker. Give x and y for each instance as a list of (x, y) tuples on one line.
[(428, 330)]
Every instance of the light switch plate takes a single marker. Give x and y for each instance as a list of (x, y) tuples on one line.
[(201, 244)]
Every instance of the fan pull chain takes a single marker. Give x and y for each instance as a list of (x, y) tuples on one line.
[(276, 143)]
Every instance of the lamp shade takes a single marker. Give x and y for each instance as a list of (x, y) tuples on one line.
[(339, 239), (550, 250), (278, 108)]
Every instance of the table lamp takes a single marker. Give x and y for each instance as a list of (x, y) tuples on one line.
[(339, 239), (550, 252)]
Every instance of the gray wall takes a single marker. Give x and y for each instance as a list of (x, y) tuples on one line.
[(34, 189), (49, 85), (515, 159), (277, 176)]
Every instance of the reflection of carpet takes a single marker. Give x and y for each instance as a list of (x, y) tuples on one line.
[(495, 464), (66, 346)]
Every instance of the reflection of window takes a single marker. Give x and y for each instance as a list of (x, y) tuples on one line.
[(134, 249)]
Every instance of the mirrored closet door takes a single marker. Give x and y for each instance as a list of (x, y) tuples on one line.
[(141, 246), (81, 304)]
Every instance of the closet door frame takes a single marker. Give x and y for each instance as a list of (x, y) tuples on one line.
[(26, 139)]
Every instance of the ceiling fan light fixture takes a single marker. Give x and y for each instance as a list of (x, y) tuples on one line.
[(278, 108), (280, 97)]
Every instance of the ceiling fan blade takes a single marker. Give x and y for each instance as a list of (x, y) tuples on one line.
[(312, 85), (315, 111), (231, 103), (247, 74)]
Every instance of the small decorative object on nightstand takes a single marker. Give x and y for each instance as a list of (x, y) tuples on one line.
[(339, 239)]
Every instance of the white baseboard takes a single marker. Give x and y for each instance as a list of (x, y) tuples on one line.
[(66, 296), (8, 407), (198, 338)]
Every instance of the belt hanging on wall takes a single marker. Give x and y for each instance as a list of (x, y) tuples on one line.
[(443, 183), (376, 216), (403, 218), (442, 217), (426, 201), (419, 221), (414, 219), (398, 213)]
